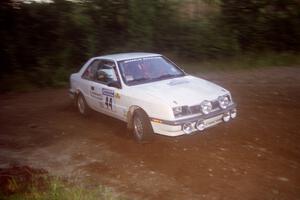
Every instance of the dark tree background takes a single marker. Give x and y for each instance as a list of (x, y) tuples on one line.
[(267, 24), (41, 43)]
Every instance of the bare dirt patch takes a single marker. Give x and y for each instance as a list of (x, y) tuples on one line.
[(256, 156)]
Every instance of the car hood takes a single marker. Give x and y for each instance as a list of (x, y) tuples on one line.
[(187, 90)]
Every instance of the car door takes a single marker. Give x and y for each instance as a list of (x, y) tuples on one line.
[(107, 88), (87, 84)]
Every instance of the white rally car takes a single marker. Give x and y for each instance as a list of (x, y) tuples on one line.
[(151, 94)]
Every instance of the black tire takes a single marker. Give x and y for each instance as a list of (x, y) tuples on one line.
[(142, 129), (82, 106)]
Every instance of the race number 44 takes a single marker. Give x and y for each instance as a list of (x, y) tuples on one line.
[(109, 102)]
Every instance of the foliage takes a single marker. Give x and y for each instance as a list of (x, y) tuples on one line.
[(271, 25), (58, 190), (26, 183), (41, 43)]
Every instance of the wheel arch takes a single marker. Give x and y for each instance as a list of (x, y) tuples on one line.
[(77, 92), (130, 115)]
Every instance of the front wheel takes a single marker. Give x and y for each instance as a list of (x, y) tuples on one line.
[(142, 128)]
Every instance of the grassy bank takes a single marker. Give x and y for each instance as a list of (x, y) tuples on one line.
[(25, 183)]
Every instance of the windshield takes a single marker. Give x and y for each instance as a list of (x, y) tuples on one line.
[(145, 70)]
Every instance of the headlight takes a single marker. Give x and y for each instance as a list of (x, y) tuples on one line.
[(223, 101), (180, 111), (177, 110), (206, 107)]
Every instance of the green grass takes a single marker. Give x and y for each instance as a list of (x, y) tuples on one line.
[(54, 189)]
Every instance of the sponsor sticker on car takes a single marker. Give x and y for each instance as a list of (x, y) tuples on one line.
[(108, 92)]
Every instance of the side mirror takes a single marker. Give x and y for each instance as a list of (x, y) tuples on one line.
[(115, 84)]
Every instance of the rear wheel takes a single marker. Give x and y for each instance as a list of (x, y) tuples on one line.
[(82, 106), (142, 128)]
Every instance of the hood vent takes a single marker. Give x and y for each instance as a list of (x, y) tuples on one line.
[(177, 82)]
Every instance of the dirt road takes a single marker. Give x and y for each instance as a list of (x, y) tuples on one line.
[(256, 156)]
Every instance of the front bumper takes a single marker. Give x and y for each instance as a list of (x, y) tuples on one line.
[(175, 128)]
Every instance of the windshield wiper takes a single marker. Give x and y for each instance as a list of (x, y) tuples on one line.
[(138, 80), (165, 76)]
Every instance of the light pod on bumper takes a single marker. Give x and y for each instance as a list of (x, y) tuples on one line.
[(226, 116), (233, 113), (187, 128), (200, 125)]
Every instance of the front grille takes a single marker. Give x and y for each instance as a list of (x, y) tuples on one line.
[(197, 108), (215, 105)]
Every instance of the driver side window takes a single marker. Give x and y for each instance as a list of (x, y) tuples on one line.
[(102, 71), (106, 72)]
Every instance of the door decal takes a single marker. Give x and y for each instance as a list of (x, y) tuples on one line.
[(108, 92), (96, 95), (108, 102), (109, 99)]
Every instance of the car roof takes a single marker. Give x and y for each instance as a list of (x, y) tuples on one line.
[(126, 56)]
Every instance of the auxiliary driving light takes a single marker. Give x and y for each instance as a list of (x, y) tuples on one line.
[(233, 113), (206, 107), (200, 125), (187, 128), (226, 117), (223, 101)]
